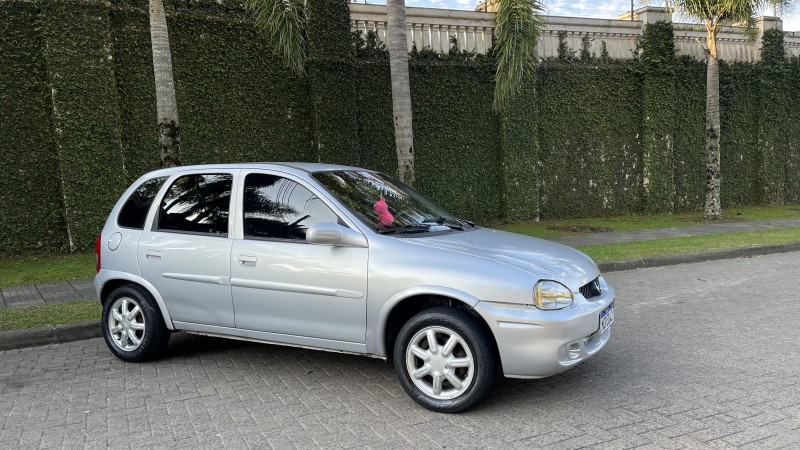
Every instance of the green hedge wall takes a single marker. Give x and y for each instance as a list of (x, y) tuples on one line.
[(584, 137), (236, 101), (689, 161), (374, 118), (133, 69), (589, 136), (85, 115), (776, 117), (456, 134), (739, 118), (332, 82), (31, 209), (519, 137), (658, 111), (456, 137), (792, 131)]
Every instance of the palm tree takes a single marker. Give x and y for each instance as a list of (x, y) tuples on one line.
[(713, 14), (401, 90), (781, 8), (518, 26), (285, 22), (169, 136)]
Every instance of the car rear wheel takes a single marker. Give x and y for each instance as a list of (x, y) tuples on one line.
[(445, 359), (133, 327)]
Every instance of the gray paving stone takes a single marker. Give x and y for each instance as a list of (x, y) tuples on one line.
[(83, 288), (21, 296), (56, 292), (693, 363)]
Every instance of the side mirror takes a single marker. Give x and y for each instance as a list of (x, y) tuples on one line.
[(327, 233)]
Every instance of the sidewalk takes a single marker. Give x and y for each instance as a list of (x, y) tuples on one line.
[(79, 289), (39, 294)]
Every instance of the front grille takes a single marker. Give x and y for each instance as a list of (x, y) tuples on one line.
[(591, 289)]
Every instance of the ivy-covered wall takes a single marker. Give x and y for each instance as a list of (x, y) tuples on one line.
[(585, 136), (85, 116), (236, 101), (31, 206), (657, 71), (589, 139)]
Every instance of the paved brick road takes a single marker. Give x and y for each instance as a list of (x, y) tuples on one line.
[(703, 356)]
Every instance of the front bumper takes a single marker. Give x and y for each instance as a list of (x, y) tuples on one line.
[(536, 344)]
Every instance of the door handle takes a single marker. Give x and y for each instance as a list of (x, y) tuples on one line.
[(152, 255), (247, 261)]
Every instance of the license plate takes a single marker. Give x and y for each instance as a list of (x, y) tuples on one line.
[(606, 318)]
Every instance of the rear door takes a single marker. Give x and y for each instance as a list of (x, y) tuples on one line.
[(186, 252)]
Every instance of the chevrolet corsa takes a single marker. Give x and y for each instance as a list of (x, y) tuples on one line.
[(344, 259)]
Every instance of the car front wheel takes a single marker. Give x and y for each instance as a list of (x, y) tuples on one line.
[(445, 359), (133, 327)]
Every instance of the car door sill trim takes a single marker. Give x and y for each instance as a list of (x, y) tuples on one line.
[(275, 338)]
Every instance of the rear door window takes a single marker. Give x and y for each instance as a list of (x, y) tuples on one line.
[(134, 211), (198, 204)]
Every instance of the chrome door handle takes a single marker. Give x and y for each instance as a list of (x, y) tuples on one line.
[(152, 255), (247, 261)]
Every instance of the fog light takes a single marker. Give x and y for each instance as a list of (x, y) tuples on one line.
[(574, 350)]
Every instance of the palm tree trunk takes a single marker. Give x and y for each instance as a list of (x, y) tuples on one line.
[(166, 105), (401, 91), (713, 207)]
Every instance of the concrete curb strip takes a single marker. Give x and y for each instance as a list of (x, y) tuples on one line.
[(31, 337), (53, 334)]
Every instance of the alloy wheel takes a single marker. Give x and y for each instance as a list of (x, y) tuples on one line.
[(440, 362), (126, 324)]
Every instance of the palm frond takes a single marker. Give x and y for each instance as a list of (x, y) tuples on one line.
[(724, 12), (518, 25), (285, 24), (780, 8)]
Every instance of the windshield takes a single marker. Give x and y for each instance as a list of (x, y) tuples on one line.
[(387, 205)]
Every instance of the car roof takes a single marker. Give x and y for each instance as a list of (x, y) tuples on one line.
[(302, 166)]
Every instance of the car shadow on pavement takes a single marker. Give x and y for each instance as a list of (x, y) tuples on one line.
[(273, 362)]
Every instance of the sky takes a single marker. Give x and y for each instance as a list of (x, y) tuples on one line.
[(604, 9)]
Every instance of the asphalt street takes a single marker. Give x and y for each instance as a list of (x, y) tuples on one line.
[(702, 356)]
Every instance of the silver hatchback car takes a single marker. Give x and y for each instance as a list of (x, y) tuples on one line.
[(344, 259)]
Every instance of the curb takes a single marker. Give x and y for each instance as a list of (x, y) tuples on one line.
[(32, 337), (687, 258)]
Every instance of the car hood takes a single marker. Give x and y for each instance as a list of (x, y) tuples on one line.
[(541, 258)]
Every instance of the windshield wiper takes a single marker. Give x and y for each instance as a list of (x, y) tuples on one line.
[(407, 229), (452, 223)]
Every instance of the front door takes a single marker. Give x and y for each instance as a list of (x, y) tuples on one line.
[(285, 286), (186, 254)]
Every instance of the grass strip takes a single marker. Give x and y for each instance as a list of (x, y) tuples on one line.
[(613, 252), (551, 228), (45, 269), (49, 314)]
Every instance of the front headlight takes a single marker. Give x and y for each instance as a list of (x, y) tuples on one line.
[(551, 295)]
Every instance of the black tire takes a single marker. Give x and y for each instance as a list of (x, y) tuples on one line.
[(475, 343), (153, 336)]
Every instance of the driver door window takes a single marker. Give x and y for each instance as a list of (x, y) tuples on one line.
[(279, 208)]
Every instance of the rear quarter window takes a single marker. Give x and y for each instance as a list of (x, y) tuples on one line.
[(134, 211)]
